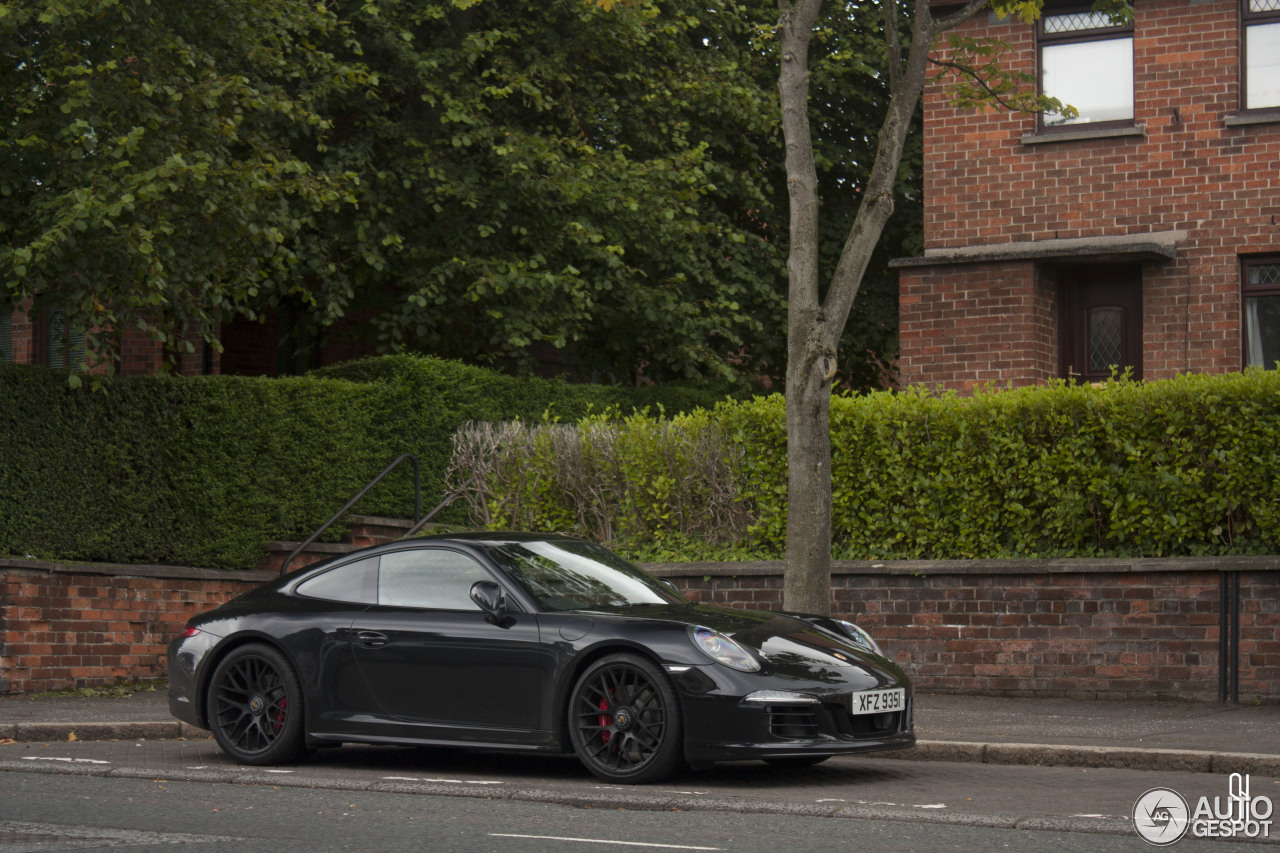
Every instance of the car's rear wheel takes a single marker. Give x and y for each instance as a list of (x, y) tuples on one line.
[(624, 720), (255, 706)]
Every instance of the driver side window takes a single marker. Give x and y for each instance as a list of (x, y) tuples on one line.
[(433, 579)]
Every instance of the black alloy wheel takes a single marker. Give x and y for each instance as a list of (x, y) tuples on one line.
[(255, 706), (624, 720)]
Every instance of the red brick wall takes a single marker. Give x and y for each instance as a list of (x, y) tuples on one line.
[(1190, 172), (981, 323), (1102, 628), (1112, 631), (61, 628)]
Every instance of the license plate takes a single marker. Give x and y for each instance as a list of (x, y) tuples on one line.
[(879, 701)]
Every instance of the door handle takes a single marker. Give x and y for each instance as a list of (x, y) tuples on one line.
[(371, 639)]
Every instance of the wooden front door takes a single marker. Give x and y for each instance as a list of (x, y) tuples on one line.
[(1101, 321)]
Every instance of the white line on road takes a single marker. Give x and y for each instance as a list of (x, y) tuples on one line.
[(602, 841), (68, 760)]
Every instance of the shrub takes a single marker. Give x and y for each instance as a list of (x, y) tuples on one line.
[(609, 478), (204, 471), (1179, 467)]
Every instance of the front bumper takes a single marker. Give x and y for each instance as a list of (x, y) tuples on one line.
[(720, 726)]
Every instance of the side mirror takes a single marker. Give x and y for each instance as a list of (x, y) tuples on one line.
[(488, 597)]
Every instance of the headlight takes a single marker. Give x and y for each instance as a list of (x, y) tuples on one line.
[(861, 637), (723, 649)]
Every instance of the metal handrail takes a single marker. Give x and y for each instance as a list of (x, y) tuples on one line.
[(417, 504), (448, 499)]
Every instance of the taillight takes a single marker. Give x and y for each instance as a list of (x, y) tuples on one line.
[(190, 631)]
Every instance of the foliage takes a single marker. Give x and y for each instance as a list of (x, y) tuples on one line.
[(541, 181), (205, 471), (1179, 467), (609, 478), (149, 166)]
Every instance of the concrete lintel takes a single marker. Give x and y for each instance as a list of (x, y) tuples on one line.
[(1152, 246)]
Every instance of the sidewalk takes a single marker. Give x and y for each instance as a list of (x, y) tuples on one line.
[(1181, 736)]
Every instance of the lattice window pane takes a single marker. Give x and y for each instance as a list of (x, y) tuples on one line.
[(1106, 333), (1264, 274), (1264, 5), (1075, 22)]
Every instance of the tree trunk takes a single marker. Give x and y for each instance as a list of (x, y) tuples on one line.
[(810, 357), (807, 581), (814, 326)]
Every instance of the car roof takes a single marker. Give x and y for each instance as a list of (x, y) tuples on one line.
[(479, 539)]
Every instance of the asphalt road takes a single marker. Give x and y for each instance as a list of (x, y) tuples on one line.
[(379, 797), (43, 813)]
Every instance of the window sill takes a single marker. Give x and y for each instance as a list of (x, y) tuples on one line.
[(1248, 118), (1074, 135)]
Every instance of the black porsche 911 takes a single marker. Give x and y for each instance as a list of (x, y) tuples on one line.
[(528, 643)]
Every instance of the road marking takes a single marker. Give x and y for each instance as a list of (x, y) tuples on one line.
[(603, 841), (97, 837), (68, 760)]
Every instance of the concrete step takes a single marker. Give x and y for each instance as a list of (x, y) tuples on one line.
[(365, 530), (362, 531)]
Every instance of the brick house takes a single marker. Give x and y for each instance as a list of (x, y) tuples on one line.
[(1144, 233), (281, 345)]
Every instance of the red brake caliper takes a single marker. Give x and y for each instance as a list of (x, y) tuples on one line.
[(279, 720), (603, 719)]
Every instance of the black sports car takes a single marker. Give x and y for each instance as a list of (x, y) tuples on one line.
[(530, 643)]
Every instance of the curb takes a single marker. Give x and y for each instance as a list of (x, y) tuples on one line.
[(1074, 755), (1033, 754), (171, 730)]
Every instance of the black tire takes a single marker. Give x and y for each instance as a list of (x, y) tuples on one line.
[(797, 761), (255, 707), (624, 721)]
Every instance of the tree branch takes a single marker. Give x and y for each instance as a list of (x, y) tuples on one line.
[(973, 7), (995, 95), (894, 43)]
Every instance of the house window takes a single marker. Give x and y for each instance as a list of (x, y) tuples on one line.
[(1261, 54), (63, 346), (1086, 61), (1262, 312), (295, 348), (6, 337)]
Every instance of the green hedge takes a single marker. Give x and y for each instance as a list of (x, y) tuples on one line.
[(1180, 467), (204, 471)]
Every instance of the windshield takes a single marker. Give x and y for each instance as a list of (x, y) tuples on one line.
[(576, 575)]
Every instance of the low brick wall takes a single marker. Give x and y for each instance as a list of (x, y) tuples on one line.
[(1145, 628), (87, 625), (1085, 628)]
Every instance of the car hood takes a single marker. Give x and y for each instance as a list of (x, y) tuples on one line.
[(788, 645)]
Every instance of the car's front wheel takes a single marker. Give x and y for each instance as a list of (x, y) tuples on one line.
[(255, 706), (624, 720)]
